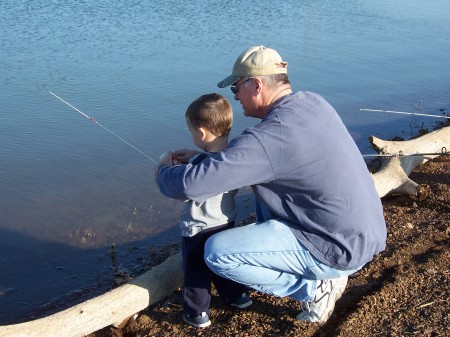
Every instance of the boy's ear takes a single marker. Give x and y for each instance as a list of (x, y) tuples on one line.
[(202, 132)]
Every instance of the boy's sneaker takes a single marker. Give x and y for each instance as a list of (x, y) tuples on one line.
[(242, 301), (321, 308), (201, 321)]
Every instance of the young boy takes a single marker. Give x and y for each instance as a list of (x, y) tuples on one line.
[(209, 119)]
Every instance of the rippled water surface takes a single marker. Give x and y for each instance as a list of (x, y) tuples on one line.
[(69, 189)]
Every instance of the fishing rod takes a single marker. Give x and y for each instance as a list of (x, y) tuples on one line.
[(401, 154), (103, 127), (405, 113)]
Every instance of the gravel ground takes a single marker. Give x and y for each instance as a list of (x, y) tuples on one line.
[(403, 292)]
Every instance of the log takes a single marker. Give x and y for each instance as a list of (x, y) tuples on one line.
[(111, 308), (392, 178), (432, 142)]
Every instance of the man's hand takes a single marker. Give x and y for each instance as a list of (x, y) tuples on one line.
[(176, 157), (184, 155)]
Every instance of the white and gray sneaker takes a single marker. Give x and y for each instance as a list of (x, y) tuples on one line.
[(321, 308)]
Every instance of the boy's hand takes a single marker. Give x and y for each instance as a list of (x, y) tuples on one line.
[(166, 159)]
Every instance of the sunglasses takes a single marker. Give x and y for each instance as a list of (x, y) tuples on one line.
[(235, 88)]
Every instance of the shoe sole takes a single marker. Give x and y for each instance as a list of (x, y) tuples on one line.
[(201, 325), (243, 305)]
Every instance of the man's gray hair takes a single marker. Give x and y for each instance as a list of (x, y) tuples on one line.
[(274, 81)]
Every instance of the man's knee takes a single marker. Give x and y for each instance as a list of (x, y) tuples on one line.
[(211, 251), (216, 254)]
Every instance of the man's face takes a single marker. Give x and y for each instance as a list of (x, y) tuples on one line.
[(244, 92)]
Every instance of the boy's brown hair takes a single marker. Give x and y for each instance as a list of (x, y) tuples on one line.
[(212, 112)]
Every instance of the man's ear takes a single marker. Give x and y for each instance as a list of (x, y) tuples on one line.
[(258, 84)]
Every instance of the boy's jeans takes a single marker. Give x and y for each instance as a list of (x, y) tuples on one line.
[(267, 257)]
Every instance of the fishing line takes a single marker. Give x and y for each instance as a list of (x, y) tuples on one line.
[(103, 127), (405, 113), (443, 152)]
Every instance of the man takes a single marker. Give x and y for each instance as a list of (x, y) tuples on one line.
[(319, 217)]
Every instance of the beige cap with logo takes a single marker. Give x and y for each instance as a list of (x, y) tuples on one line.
[(255, 61)]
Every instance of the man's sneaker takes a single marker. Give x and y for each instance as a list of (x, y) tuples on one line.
[(321, 308), (201, 321), (242, 301)]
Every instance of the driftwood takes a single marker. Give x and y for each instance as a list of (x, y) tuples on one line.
[(392, 178), (111, 308)]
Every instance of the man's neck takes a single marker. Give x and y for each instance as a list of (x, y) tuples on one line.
[(273, 96), (281, 91)]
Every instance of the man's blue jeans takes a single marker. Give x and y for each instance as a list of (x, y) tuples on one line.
[(267, 257)]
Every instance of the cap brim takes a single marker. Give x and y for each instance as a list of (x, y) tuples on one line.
[(228, 81)]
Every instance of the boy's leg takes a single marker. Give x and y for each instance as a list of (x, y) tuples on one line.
[(197, 277), (230, 292)]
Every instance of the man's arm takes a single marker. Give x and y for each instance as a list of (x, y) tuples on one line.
[(244, 163), (184, 155)]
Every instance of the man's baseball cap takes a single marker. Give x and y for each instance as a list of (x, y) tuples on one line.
[(255, 61)]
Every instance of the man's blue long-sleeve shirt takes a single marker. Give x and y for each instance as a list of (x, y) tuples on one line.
[(306, 169)]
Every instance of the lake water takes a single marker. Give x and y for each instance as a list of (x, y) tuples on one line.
[(69, 190)]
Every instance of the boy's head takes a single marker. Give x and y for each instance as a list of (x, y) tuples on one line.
[(212, 112)]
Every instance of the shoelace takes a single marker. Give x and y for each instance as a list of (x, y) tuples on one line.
[(305, 306)]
